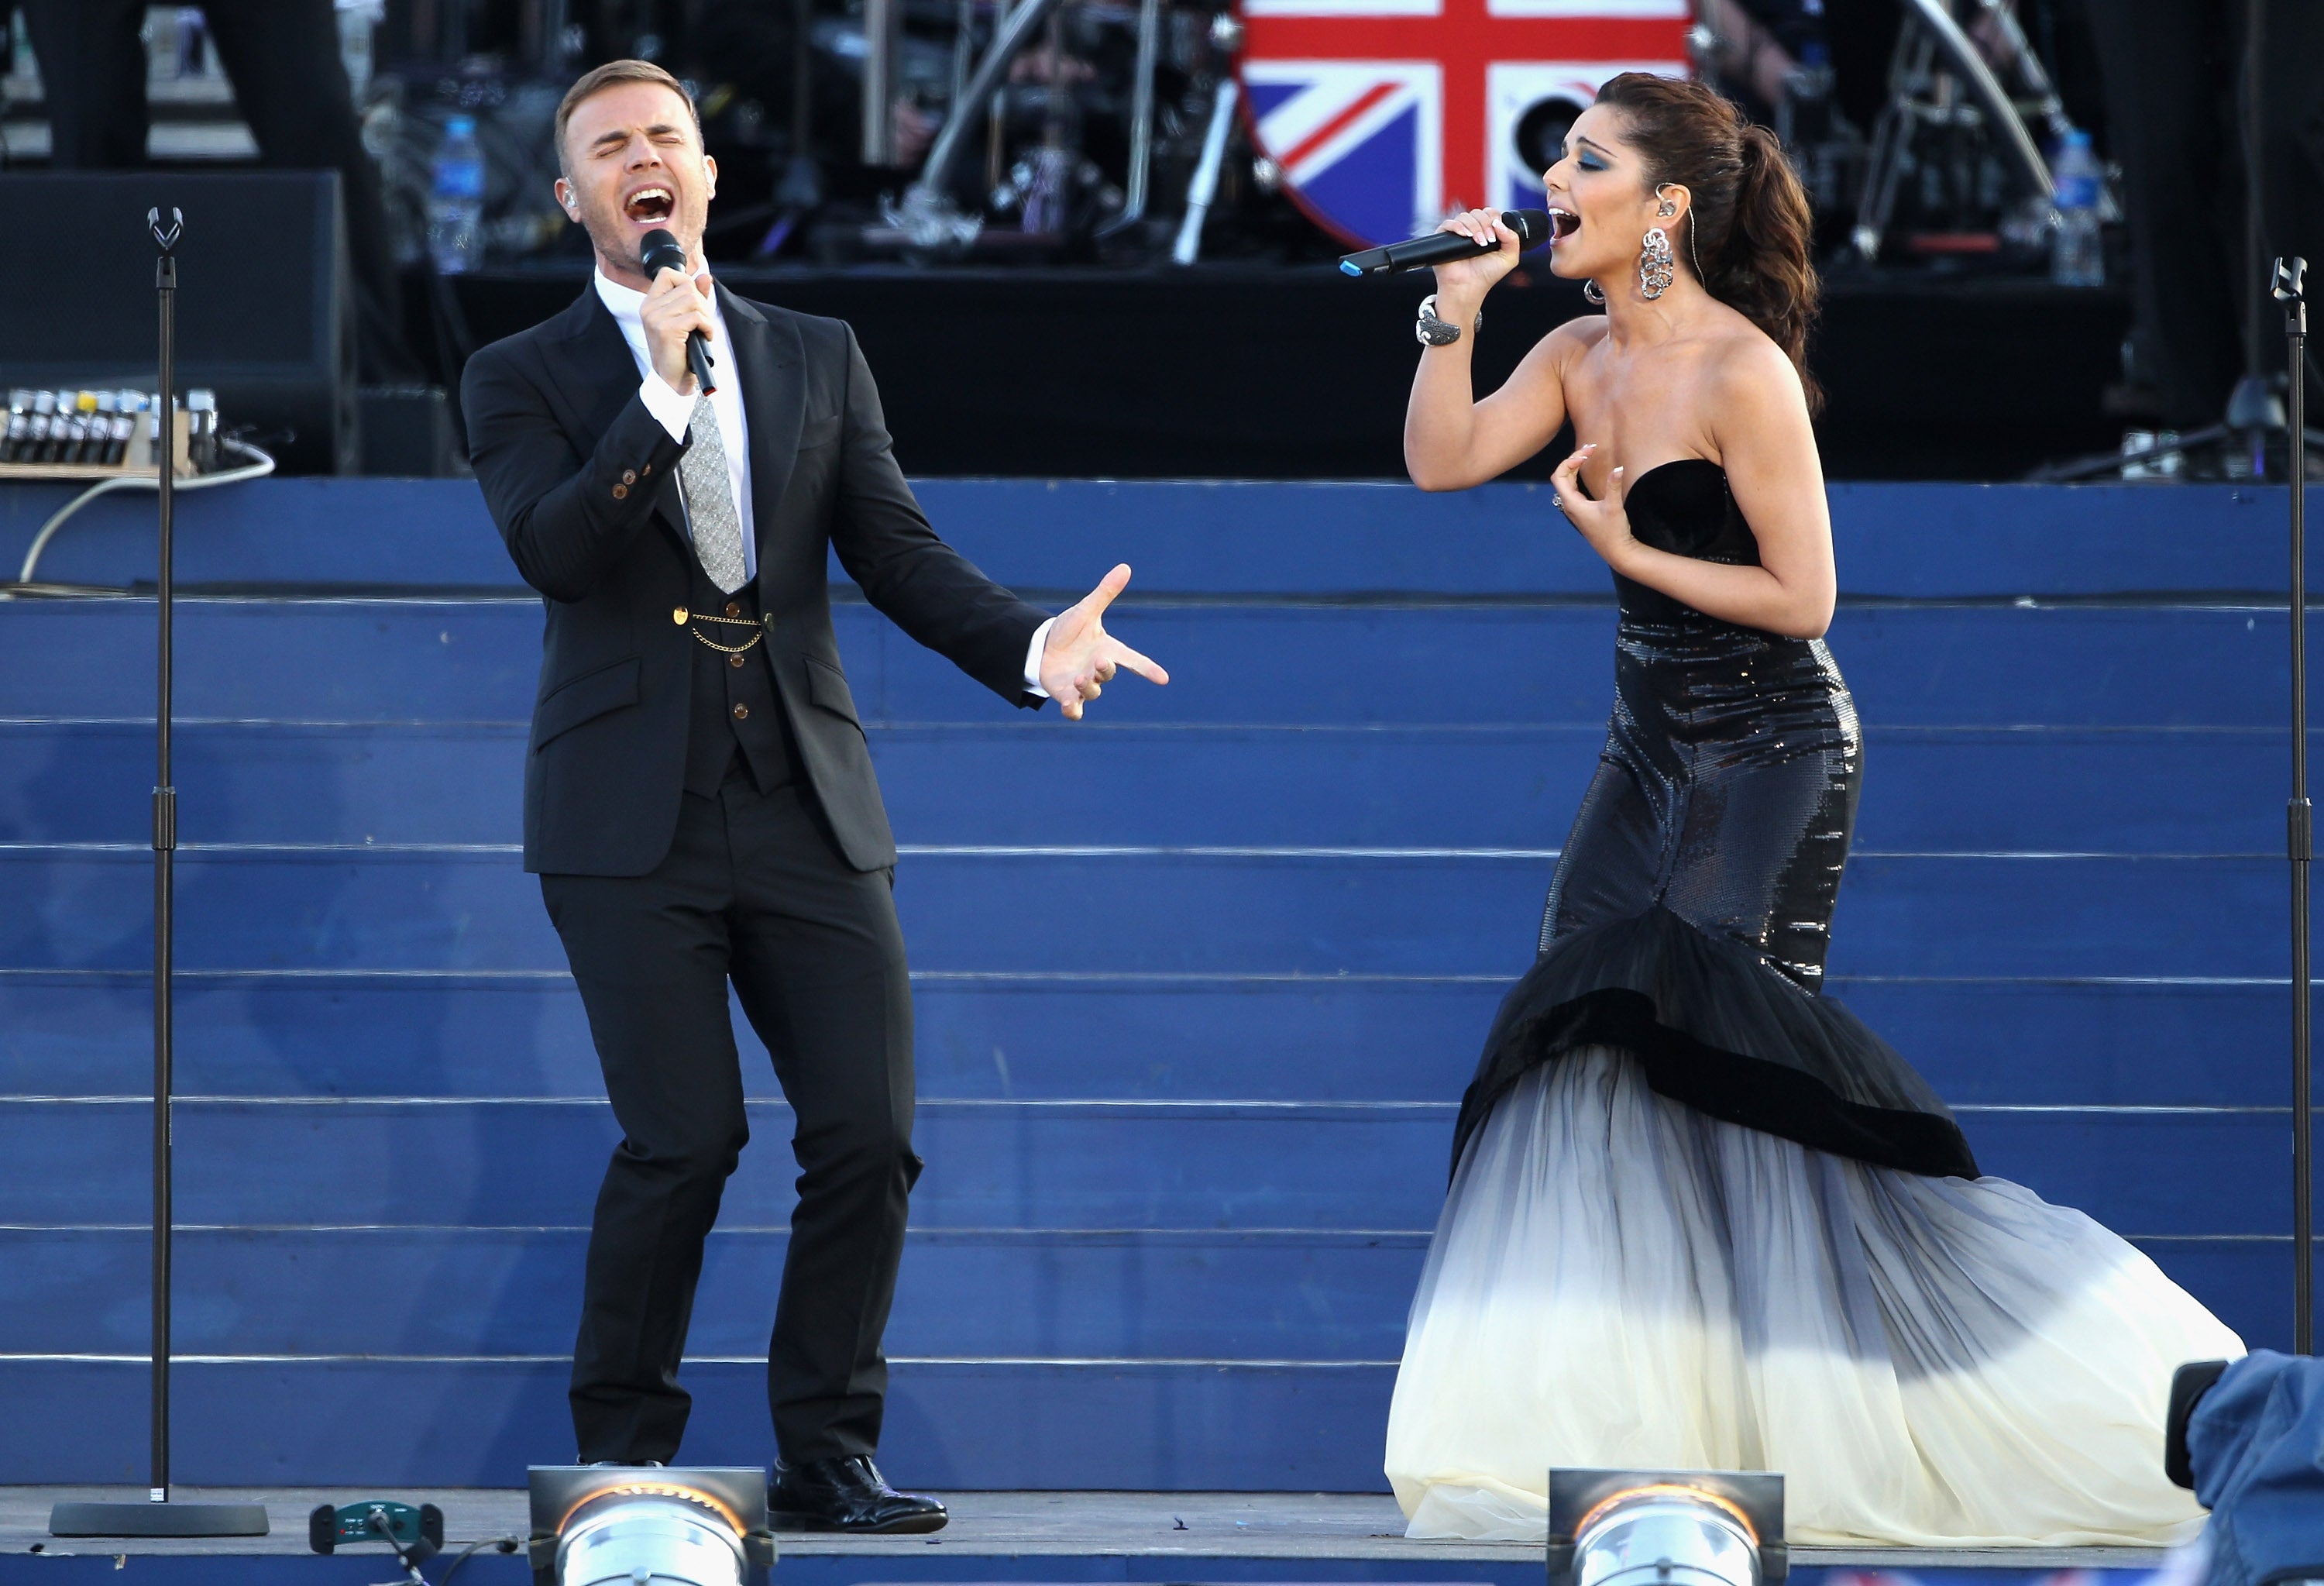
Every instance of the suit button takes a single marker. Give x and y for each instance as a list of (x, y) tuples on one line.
[(649, 468), (734, 660), (742, 712), (628, 475), (733, 608), (621, 492)]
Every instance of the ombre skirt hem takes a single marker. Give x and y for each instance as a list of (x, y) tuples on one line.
[(1619, 1279)]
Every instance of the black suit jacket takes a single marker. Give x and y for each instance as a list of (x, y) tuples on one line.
[(583, 481)]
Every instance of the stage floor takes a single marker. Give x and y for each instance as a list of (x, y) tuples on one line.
[(1193, 1526)]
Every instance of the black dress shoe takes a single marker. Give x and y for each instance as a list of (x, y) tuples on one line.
[(846, 1495)]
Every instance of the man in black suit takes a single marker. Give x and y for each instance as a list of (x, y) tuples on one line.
[(699, 799)]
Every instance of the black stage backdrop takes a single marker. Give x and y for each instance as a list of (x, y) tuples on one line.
[(1239, 373)]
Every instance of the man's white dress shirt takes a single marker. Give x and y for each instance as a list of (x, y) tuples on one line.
[(675, 409)]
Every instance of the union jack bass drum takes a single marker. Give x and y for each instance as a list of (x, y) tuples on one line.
[(1386, 116)]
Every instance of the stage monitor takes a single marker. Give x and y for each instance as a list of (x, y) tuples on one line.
[(263, 308)]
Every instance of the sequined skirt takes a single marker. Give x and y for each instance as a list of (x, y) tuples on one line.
[(1691, 907)]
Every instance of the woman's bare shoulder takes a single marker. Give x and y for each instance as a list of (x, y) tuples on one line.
[(1743, 361), (1585, 330), (1567, 344)]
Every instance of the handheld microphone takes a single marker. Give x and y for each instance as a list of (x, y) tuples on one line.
[(1442, 247), (660, 251)]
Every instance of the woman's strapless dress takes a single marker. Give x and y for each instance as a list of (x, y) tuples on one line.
[(1702, 1218)]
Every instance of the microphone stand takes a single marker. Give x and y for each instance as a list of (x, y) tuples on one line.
[(2288, 288), (158, 1517)]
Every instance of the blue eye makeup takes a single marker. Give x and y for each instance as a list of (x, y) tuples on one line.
[(1589, 161)]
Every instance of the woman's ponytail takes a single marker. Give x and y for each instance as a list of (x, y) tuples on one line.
[(1764, 270)]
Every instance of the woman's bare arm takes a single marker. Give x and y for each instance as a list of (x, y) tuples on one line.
[(1768, 446), (1451, 440)]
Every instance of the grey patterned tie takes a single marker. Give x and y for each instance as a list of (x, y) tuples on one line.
[(710, 511)]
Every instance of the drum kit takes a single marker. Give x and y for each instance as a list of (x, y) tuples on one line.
[(1376, 118), (1135, 131)]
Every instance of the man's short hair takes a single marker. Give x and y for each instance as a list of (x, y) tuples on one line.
[(605, 77)]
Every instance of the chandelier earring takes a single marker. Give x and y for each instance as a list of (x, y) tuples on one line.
[(1655, 264), (1590, 289)]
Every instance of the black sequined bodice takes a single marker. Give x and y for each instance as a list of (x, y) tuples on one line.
[(1728, 784), (1684, 508), (1692, 909)]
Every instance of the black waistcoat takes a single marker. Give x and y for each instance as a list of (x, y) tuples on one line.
[(734, 706)]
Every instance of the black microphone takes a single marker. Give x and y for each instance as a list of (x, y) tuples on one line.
[(1442, 247), (660, 251)]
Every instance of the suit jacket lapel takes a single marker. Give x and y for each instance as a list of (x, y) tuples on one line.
[(768, 357)]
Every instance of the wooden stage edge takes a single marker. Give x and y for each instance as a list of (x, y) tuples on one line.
[(1020, 1525)]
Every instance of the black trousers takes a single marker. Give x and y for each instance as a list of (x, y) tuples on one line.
[(2174, 70), (282, 56), (753, 892)]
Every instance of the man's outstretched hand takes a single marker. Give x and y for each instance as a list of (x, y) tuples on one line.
[(1081, 657)]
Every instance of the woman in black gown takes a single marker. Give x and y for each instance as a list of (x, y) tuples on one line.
[(1701, 1216)]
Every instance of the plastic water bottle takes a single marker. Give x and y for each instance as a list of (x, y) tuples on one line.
[(455, 203), (2076, 258)]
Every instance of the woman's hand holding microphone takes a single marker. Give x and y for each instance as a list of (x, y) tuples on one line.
[(1462, 284)]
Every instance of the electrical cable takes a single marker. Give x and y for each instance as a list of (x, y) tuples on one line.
[(505, 1544), (412, 1566), (259, 469), (379, 1522)]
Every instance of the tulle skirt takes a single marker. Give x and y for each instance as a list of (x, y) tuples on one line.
[(1620, 1280)]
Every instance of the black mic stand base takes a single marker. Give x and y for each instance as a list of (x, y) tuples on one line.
[(157, 1519)]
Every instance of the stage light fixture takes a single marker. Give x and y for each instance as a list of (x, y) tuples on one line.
[(632, 1526), (1666, 1528)]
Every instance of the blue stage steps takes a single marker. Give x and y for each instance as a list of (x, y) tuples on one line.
[(1183, 1163)]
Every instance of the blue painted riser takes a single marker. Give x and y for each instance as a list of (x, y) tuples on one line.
[(478, 1424), (1980, 1042), (1944, 666), (1036, 1293), (1067, 1223), (1205, 538), (949, 1426), (998, 1293), (1002, 1164), (1970, 788), (1167, 913)]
